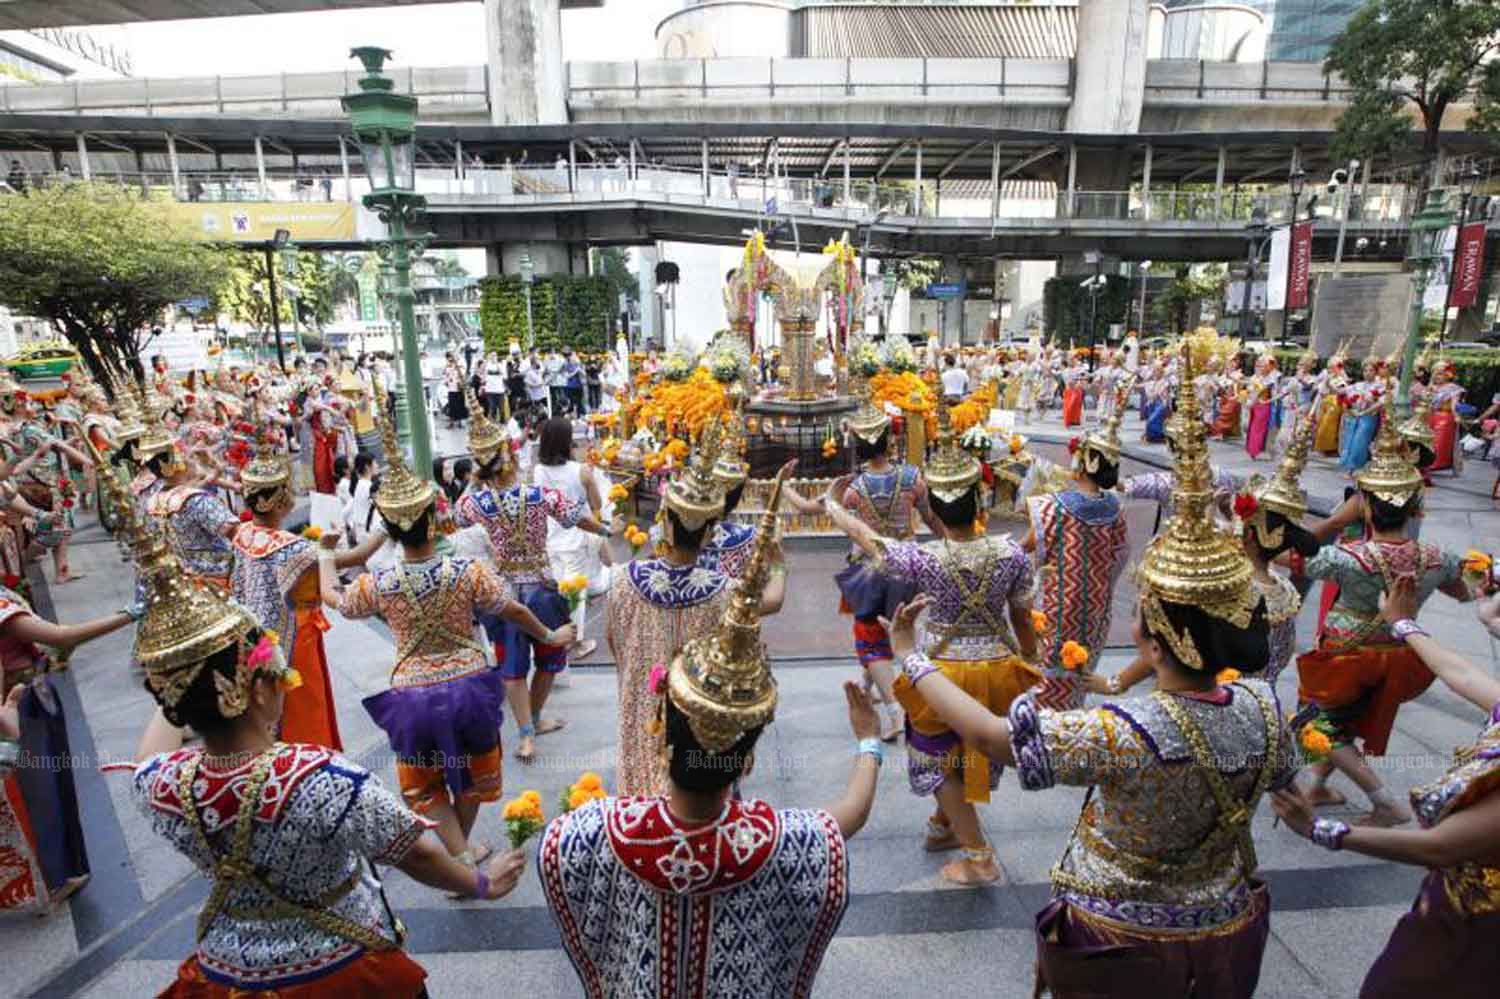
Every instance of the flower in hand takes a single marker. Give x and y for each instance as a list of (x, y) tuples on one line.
[(523, 818), (504, 871), (1073, 655)]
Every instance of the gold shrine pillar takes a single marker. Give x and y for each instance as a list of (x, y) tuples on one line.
[(799, 354), (916, 439)]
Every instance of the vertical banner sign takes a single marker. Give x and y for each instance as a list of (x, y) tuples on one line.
[(1276, 282), (1468, 266), (1301, 265)]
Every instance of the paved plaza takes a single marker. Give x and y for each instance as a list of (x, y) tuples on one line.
[(905, 932)]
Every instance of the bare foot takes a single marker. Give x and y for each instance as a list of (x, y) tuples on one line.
[(67, 577), (526, 750), (940, 842), (582, 650), (1323, 797), (972, 869), (549, 725), (1383, 817)]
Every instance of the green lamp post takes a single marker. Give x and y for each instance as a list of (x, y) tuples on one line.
[(385, 127), (1424, 251), (390, 304)]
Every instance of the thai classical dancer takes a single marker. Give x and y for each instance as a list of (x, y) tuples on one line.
[(1446, 394), (1077, 535), (1360, 673), (1446, 944), (1261, 394), (709, 895), (201, 522), (883, 495), (515, 517), (289, 833), (1156, 893), (662, 601), (275, 577), (443, 709), (1364, 404), (980, 634)]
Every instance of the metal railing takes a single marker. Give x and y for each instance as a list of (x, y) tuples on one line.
[(464, 90), (603, 183)]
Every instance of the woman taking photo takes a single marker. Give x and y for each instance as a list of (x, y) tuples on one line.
[(453, 384)]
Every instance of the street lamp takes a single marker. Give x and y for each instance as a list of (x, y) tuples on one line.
[(282, 238), (289, 269), (385, 127), (1467, 181), (1258, 233), (1423, 251), (1097, 259), (1145, 266), (528, 278)]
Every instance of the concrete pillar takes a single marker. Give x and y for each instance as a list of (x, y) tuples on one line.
[(952, 309), (1146, 186), (344, 169), (647, 257), (84, 170), (260, 166), (172, 162), (1110, 66), (523, 42)]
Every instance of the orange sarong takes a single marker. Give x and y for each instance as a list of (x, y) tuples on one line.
[(308, 713), (1383, 677), (994, 683)]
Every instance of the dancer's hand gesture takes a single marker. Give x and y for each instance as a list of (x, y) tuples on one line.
[(902, 626)]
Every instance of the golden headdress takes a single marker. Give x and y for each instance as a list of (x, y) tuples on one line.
[(185, 620), (487, 440), (951, 471), (1417, 429), (127, 411), (695, 495), (722, 682), (731, 469), (1282, 492), (869, 422), (155, 438), (1103, 443), (269, 471), (402, 497), (1389, 475), (1190, 562)]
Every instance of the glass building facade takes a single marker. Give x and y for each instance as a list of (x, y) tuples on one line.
[(1297, 30)]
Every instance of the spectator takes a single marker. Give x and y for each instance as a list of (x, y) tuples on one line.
[(494, 385), (536, 383), (515, 382), (327, 184), (17, 177), (195, 189), (453, 384), (591, 372), (572, 373), (556, 382), (955, 380)]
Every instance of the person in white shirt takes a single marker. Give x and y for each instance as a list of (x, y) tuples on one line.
[(955, 380), (494, 385), (536, 385), (356, 511)]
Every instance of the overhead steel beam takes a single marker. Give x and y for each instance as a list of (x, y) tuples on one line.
[(958, 160), (833, 150), (1031, 160), (895, 154)]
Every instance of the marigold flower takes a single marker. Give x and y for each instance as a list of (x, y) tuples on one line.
[(589, 781), (1315, 741), (1227, 676), (1039, 621), (531, 796), (1477, 561), (312, 532), (618, 494), (1074, 655), (578, 797)]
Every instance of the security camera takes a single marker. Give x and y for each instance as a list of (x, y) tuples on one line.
[(1337, 180)]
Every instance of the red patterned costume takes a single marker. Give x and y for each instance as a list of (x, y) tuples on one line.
[(650, 908)]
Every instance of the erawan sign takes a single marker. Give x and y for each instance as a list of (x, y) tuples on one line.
[(86, 46)]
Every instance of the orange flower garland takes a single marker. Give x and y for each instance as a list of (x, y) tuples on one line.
[(686, 405)]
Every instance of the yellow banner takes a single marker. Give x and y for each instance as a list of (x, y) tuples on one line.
[(257, 222)]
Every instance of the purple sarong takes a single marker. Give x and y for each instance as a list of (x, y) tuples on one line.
[(1435, 950), (442, 724), (1082, 956)]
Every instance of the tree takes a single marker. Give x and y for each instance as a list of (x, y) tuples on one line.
[(245, 293), (612, 264), (1422, 56), (102, 265), (1179, 301)]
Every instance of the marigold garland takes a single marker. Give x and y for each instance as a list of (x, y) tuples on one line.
[(684, 405)]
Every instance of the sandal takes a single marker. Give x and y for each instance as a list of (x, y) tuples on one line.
[(550, 725)]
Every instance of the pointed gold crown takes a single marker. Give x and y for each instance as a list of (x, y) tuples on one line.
[(270, 470), (1191, 563), (486, 439), (868, 422), (402, 497), (722, 682), (951, 471), (1389, 474), (1104, 443), (731, 469), (155, 438), (695, 495), (1282, 493), (125, 407), (186, 621)]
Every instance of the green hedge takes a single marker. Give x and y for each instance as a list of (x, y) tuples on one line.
[(1478, 371), (566, 311), (1065, 308)]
